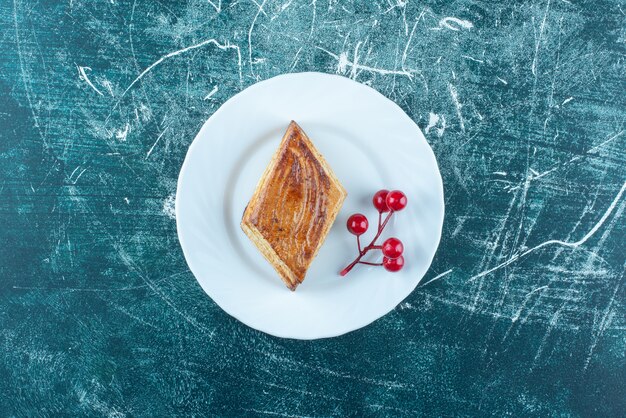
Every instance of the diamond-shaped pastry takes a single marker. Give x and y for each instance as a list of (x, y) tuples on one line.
[(293, 207)]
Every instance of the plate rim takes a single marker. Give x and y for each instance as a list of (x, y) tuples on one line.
[(229, 102)]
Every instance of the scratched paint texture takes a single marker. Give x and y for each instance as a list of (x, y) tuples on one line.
[(522, 312)]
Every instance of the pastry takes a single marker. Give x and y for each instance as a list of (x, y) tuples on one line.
[(293, 207)]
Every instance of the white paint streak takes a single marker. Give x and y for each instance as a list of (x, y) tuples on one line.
[(121, 134), (259, 6), (145, 111), (573, 159), (83, 76), (107, 84), (155, 142), (217, 7), (445, 273), (273, 413), (296, 57), (25, 77), (457, 104), (344, 62), (260, 9), (284, 6), (353, 73), (606, 320), (558, 242), (72, 175), (135, 317), (169, 207), (455, 24), (211, 93), (603, 143), (436, 121), (152, 285), (408, 42), (533, 67), (223, 47), (78, 176), (472, 58), (526, 299), (553, 321)]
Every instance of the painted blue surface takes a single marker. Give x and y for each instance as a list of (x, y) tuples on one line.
[(522, 312)]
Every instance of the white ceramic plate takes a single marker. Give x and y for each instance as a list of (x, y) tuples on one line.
[(369, 142)]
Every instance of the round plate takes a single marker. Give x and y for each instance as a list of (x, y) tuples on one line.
[(370, 144)]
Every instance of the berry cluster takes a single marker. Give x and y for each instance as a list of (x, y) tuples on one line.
[(384, 201)]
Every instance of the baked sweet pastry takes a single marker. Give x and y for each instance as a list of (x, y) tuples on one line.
[(293, 207)]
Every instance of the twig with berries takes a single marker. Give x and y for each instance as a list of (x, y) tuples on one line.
[(384, 201)]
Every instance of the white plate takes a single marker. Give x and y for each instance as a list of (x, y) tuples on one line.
[(369, 142)]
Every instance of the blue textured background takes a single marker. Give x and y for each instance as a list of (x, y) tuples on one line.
[(522, 312)]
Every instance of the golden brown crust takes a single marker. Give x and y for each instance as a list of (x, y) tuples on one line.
[(293, 207), (267, 251)]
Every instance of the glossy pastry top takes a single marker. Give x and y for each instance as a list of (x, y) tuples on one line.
[(296, 202)]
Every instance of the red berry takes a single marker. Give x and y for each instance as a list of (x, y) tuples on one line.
[(357, 224), (396, 200), (393, 264), (393, 248), (379, 201)]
